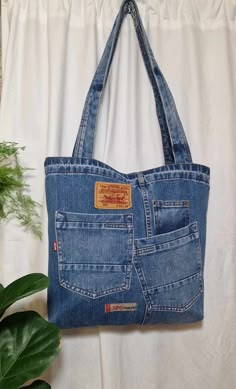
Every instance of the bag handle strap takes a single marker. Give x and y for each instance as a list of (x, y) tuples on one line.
[(175, 145)]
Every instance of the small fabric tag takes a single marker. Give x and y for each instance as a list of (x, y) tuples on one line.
[(55, 246), (122, 307), (112, 196)]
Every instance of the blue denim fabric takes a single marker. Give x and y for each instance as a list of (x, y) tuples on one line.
[(144, 263)]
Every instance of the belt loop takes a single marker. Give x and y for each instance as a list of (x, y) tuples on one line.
[(141, 179)]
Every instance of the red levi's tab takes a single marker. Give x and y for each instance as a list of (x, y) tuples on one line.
[(55, 245), (120, 307)]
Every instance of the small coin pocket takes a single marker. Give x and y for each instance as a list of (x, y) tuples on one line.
[(170, 215)]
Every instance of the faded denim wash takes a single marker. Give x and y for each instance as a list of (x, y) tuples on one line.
[(140, 265)]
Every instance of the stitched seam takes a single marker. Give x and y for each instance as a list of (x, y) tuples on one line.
[(175, 309), (139, 273), (95, 295), (175, 284), (151, 249)]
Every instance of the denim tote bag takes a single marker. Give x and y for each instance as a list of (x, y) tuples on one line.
[(126, 248)]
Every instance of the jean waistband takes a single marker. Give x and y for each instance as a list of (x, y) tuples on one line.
[(71, 165)]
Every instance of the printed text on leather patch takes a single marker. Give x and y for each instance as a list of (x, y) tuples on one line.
[(122, 307), (112, 196)]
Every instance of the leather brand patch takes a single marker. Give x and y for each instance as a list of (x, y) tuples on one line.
[(112, 196), (122, 307)]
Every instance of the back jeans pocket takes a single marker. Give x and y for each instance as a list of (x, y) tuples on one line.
[(169, 267), (94, 252), (170, 215)]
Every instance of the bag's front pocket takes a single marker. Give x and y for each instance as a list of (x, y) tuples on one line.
[(170, 268), (94, 252), (170, 215)]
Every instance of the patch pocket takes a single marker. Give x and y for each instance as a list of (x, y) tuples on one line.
[(94, 252), (170, 215), (169, 267)]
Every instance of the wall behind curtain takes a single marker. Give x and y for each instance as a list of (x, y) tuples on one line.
[(51, 50)]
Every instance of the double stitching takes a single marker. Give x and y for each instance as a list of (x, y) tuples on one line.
[(147, 210)]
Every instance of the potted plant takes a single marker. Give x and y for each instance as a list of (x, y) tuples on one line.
[(28, 343)]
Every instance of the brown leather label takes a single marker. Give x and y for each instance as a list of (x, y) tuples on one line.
[(112, 196)]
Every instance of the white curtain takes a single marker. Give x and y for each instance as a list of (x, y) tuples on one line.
[(52, 50)]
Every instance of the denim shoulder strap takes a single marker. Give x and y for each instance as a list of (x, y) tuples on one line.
[(175, 145)]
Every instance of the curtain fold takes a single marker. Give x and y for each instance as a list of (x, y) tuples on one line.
[(51, 52), (206, 14)]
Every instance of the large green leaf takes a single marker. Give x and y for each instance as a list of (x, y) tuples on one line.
[(28, 345), (24, 286), (37, 385)]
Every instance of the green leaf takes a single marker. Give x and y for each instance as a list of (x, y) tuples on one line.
[(1, 287), (24, 286), (14, 200), (38, 385), (9, 149), (28, 345)]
